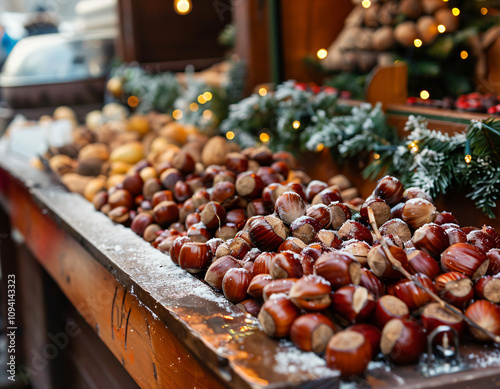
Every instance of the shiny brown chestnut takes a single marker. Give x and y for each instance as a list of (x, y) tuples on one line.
[(455, 288), (321, 213), (387, 308), (417, 212), (285, 264), (267, 233), (481, 239), (235, 284), (249, 185), (358, 249), (223, 193), (182, 191), (488, 288), (237, 162), (381, 210), (412, 295), (493, 233), (432, 239), (183, 162), (465, 258), (494, 265), (372, 283), (456, 235), (194, 257), (305, 228), (292, 244), (218, 269), (256, 286), (416, 193), (396, 227), (313, 188), (262, 262), (349, 352), (338, 268), (403, 341), (199, 233), (371, 333), (277, 316), (340, 212), (329, 238), (311, 332), (355, 230), (289, 207), (250, 306), (444, 218), (166, 213), (327, 196), (485, 314), (311, 293), (237, 217), (281, 286), (382, 266), (140, 222), (269, 175), (421, 262), (352, 304), (390, 189), (213, 215), (256, 207), (120, 198)]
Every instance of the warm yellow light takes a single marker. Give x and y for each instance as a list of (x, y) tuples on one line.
[(296, 124), (414, 149), (207, 96), (177, 114), (264, 137), (441, 28), (376, 156), (133, 101), (320, 147), (445, 1), (262, 91), (484, 11), (322, 53), (193, 107), (366, 3), (182, 7), (417, 42), (201, 99), (464, 54), (207, 114), (468, 158), (455, 11), (424, 95), (230, 135)]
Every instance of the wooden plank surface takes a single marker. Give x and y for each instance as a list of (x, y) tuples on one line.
[(158, 320), (166, 327)]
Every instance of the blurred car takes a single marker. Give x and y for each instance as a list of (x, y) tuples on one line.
[(57, 69)]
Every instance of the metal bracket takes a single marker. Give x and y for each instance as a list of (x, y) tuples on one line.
[(442, 358)]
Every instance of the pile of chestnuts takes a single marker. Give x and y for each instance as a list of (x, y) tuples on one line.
[(300, 254)]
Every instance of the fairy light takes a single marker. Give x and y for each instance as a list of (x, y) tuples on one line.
[(207, 96), (468, 158), (133, 101), (230, 135), (193, 107), (441, 28), (296, 124), (424, 95), (177, 114), (264, 137), (414, 149), (376, 156), (366, 3), (455, 11), (182, 7), (417, 42), (464, 54), (322, 53), (262, 91), (320, 147), (207, 114), (484, 11), (201, 99)]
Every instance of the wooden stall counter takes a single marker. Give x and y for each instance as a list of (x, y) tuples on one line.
[(167, 328)]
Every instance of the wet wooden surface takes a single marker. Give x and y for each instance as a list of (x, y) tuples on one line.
[(167, 328)]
